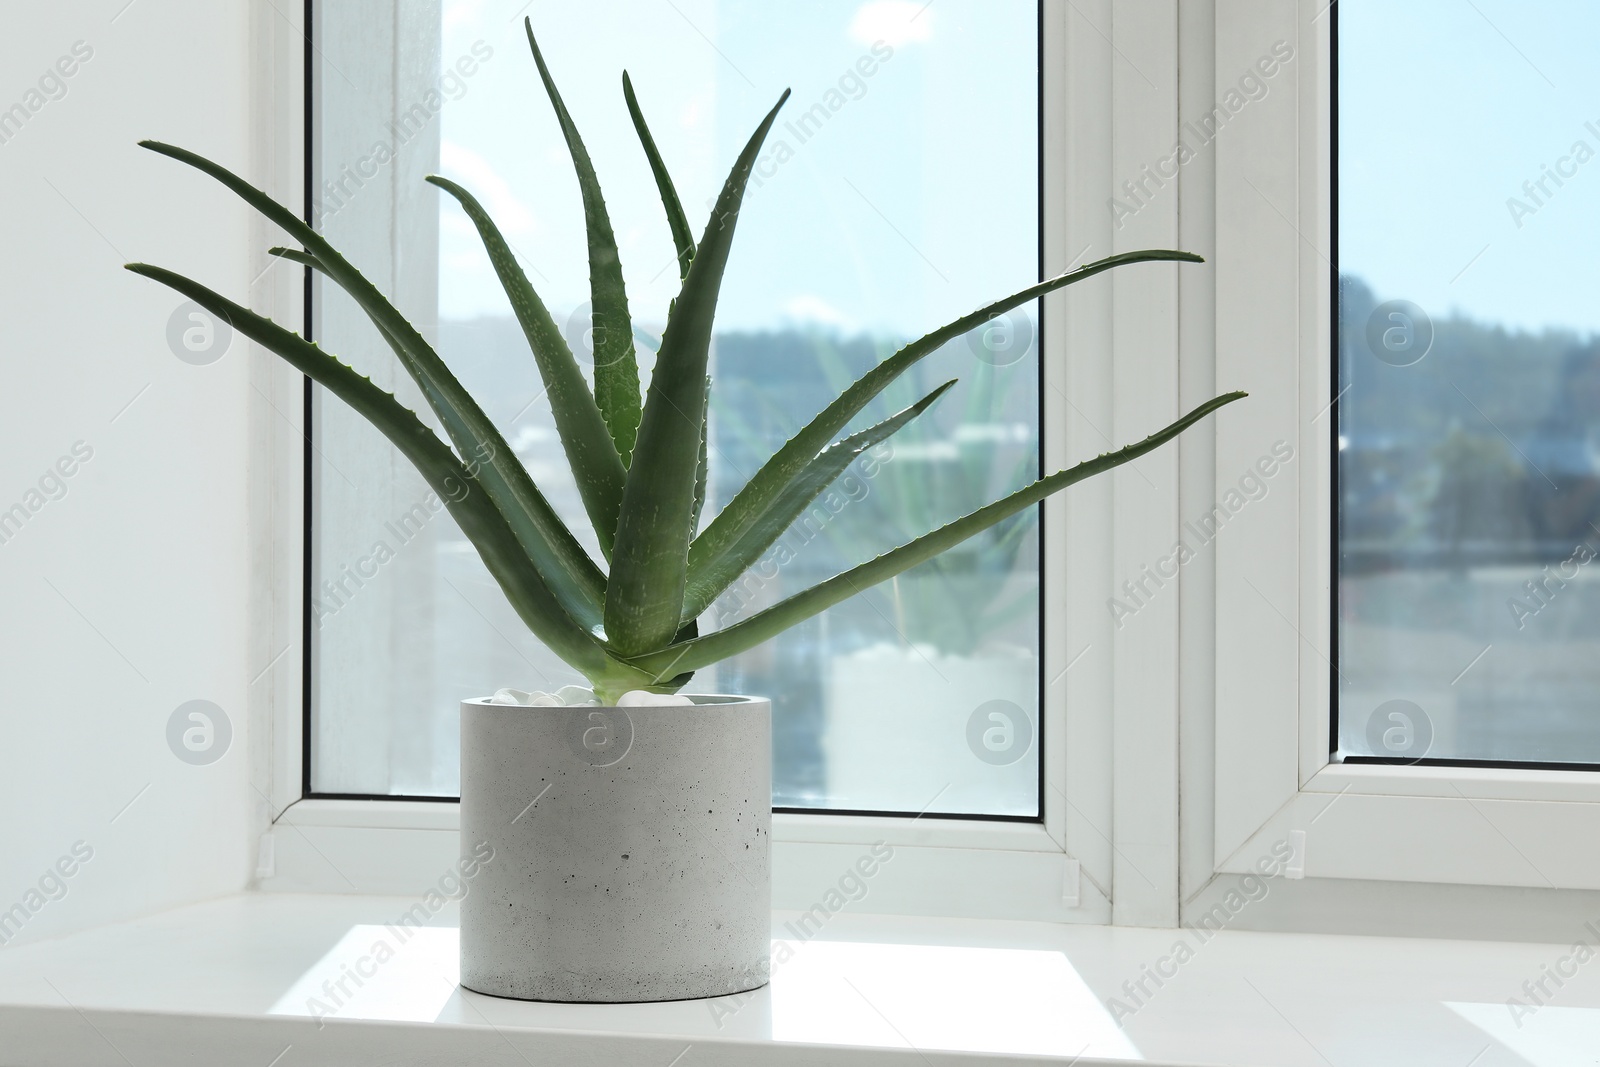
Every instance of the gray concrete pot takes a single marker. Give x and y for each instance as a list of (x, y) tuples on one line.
[(632, 856)]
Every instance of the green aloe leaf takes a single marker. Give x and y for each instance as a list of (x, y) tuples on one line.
[(457, 487), (710, 574), (769, 623), (703, 468), (616, 370), (752, 501), (296, 255), (572, 575), (677, 221), (591, 452), (558, 556), (649, 563)]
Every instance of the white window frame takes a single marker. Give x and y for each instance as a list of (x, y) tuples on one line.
[(1265, 776), (1121, 330), (1189, 744)]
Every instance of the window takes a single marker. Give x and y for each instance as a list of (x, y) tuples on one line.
[(1468, 433), (899, 189), (1198, 736), (1342, 189)]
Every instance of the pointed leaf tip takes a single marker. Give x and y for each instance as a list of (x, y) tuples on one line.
[(616, 369), (677, 222)]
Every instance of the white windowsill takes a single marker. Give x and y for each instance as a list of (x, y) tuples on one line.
[(223, 982)]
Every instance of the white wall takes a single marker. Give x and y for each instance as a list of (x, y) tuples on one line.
[(128, 595)]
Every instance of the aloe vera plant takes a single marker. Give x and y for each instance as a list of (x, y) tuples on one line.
[(640, 468)]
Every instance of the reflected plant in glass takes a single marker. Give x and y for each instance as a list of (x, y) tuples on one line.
[(958, 603)]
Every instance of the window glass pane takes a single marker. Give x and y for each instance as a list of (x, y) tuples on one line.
[(898, 190), (1469, 438)]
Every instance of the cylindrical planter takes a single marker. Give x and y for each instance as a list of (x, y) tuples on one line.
[(631, 850)]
